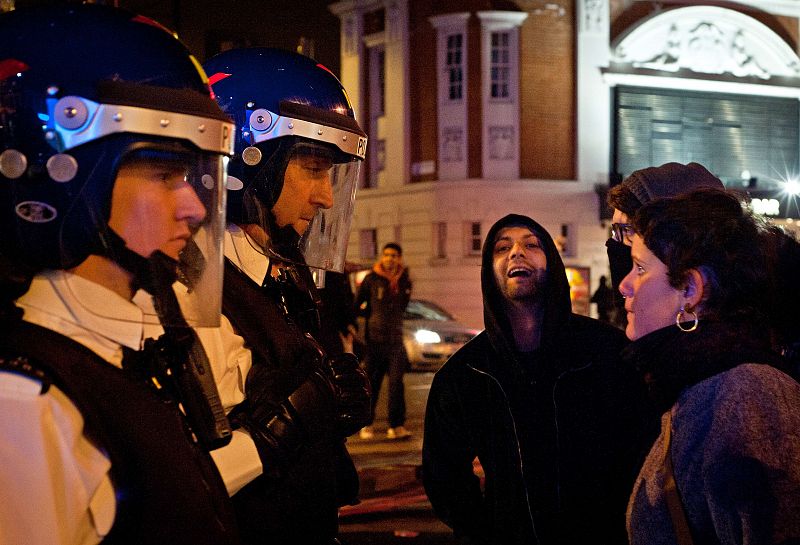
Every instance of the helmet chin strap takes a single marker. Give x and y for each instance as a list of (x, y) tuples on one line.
[(179, 350), (284, 242), (148, 273)]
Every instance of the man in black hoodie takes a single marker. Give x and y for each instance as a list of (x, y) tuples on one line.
[(540, 398)]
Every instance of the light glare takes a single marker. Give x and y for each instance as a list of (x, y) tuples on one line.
[(426, 336)]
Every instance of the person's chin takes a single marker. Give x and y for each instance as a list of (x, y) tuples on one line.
[(173, 248), (630, 329), (301, 226)]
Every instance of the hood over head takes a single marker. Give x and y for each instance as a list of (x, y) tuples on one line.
[(557, 306)]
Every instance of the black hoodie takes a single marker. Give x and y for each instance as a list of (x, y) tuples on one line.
[(559, 432)]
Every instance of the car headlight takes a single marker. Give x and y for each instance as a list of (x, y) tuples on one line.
[(426, 336)]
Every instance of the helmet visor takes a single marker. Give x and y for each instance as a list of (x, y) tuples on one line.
[(309, 222), (324, 243), (168, 203)]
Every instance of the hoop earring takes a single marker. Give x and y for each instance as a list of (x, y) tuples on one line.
[(679, 320)]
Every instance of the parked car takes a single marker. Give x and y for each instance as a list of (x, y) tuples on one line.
[(431, 335)]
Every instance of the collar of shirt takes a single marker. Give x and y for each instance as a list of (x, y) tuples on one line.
[(84, 311), (242, 251)]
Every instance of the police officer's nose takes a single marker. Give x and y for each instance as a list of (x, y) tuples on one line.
[(189, 206), (323, 193)]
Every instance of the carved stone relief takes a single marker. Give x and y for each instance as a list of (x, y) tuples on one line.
[(501, 142), (593, 15), (452, 144), (708, 40)]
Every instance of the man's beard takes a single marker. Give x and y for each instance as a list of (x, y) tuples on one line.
[(531, 291)]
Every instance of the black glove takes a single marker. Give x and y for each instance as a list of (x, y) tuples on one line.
[(280, 432), (352, 393)]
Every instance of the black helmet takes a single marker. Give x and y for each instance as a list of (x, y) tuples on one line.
[(284, 104), (82, 89)]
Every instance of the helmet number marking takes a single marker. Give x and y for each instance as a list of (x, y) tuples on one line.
[(361, 150)]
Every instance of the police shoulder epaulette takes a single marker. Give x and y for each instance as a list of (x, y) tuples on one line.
[(22, 366)]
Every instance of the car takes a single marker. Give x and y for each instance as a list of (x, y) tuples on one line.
[(431, 335)]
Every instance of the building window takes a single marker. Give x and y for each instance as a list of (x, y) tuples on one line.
[(440, 239), (473, 238), (368, 244), (500, 64), (376, 78), (455, 66)]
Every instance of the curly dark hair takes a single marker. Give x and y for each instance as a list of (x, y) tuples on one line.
[(715, 232), (622, 198)]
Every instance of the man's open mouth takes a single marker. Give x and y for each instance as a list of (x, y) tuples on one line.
[(519, 271)]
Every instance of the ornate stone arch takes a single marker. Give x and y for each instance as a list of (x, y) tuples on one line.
[(708, 40)]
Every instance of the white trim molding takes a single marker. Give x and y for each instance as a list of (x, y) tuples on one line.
[(612, 79), (501, 20)]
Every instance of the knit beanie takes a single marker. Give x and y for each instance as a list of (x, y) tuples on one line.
[(669, 180)]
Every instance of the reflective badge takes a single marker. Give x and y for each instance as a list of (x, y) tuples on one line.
[(36, 212)]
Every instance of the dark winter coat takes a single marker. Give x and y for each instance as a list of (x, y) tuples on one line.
[(384, 309), (302, 506), (735, 443), (559, 432)]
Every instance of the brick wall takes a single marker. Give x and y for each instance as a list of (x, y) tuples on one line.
[(547, 95)]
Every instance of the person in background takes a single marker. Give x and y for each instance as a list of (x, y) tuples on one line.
[(106, 181), (291, 192), (603, 297), (382, 299), (541, 399), (639, 188), (724, 468)]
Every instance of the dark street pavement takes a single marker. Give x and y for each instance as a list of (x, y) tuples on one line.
[(394, 508)]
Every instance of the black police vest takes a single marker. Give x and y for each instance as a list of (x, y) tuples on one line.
[(167, 489), (303, 506)]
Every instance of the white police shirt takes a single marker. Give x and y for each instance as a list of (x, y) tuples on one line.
[(54, 483)]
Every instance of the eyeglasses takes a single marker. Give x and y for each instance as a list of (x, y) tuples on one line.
[(621, 231)]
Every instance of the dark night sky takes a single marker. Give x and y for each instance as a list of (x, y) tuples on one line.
[(204, 25)]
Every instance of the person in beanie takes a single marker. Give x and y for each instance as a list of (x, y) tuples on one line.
[(382, 299), (641, 187), (674, 179)]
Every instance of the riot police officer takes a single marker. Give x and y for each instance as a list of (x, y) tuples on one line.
[(112, 159), (291, 192)]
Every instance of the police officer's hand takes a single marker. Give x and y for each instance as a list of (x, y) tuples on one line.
[(281, 429), (352, 393)]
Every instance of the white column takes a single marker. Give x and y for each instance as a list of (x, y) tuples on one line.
[(594, 96), (351, 51), (397, 117), (500, 115), (451, 113)]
